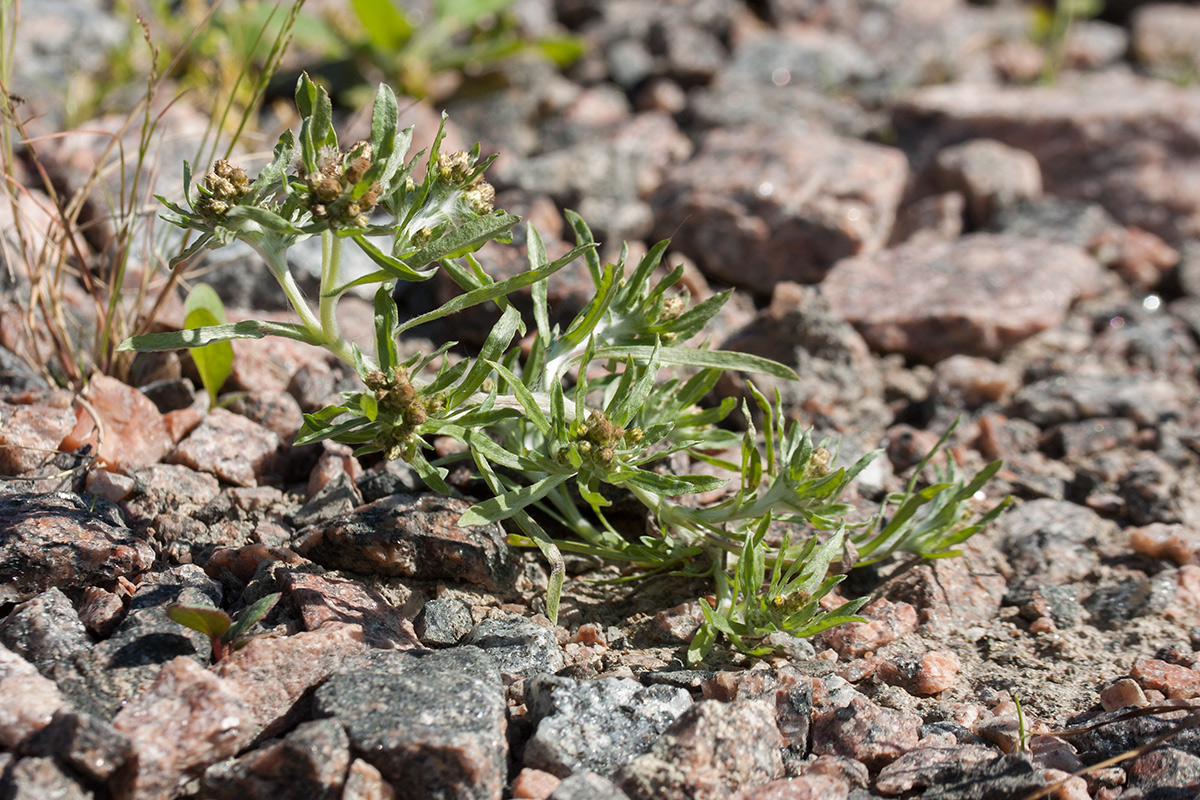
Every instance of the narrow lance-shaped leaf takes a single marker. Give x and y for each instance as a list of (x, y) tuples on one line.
[(198, 337)]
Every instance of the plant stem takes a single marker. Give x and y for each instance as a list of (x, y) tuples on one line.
[(276, 259), (331, 262)]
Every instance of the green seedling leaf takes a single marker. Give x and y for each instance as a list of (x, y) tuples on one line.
[(214, 361), (212, 622), (251, 615)]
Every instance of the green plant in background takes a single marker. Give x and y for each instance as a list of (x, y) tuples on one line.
[(557, 424), (413, 50), (1051, 27), (224, 633), (214, 362)]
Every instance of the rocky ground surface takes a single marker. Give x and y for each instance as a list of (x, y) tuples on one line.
[(913, 223)]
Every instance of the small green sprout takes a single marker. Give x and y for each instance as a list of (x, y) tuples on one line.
[(225, 633)]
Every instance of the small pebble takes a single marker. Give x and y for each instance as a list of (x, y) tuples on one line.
[(1123, 693)]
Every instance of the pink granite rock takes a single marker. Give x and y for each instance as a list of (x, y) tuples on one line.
[(30, 432), (191, 717), (134, 434), (803, 787), (309, 763), (886, 621), (29, 700), (326, 600), (188, 719), (1131, 144), (364, 782), (855, 727), (979, 295), (55, 540), (711, 751), (234, 448), (757, 206)]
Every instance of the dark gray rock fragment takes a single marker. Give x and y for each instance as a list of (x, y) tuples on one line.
[(309, 763), (521, 648), (1050, 541), (50, 540), (443, 622), (412, 535), (91, 747), (432, 723), (999, 779), (45, 631), (103, 678), (1068, 398), (595, 726), (338, 497), (1120, 599)]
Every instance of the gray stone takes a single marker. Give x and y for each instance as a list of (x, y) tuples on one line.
[(979, 295), (1012, 775), (802, 56), (709, 753), (443, 622), (309, 763), (753, 209), (991, 176), (521, 648), (1078, 222), (90, 746), (105, 677), (1051, 541), (58, 40), (167, 487), (587, 786), (338, 497), (1166, 39), (595, 726), (45, 631), (433, 723), (1080, 396), (57, 540), (412, 535), (40, 779), (15, 375)]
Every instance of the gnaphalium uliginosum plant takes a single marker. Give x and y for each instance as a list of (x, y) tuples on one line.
[(583, 410)]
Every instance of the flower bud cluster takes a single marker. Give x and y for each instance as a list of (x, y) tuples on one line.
[(396, 396), (456, 169), (819, 463), (599, 437), (222, 188), (330, 196)]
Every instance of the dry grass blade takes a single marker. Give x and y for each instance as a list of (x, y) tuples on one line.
[(1188, 722)]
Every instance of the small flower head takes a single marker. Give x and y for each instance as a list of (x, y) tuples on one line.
[(331, 188), (223, 187)]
